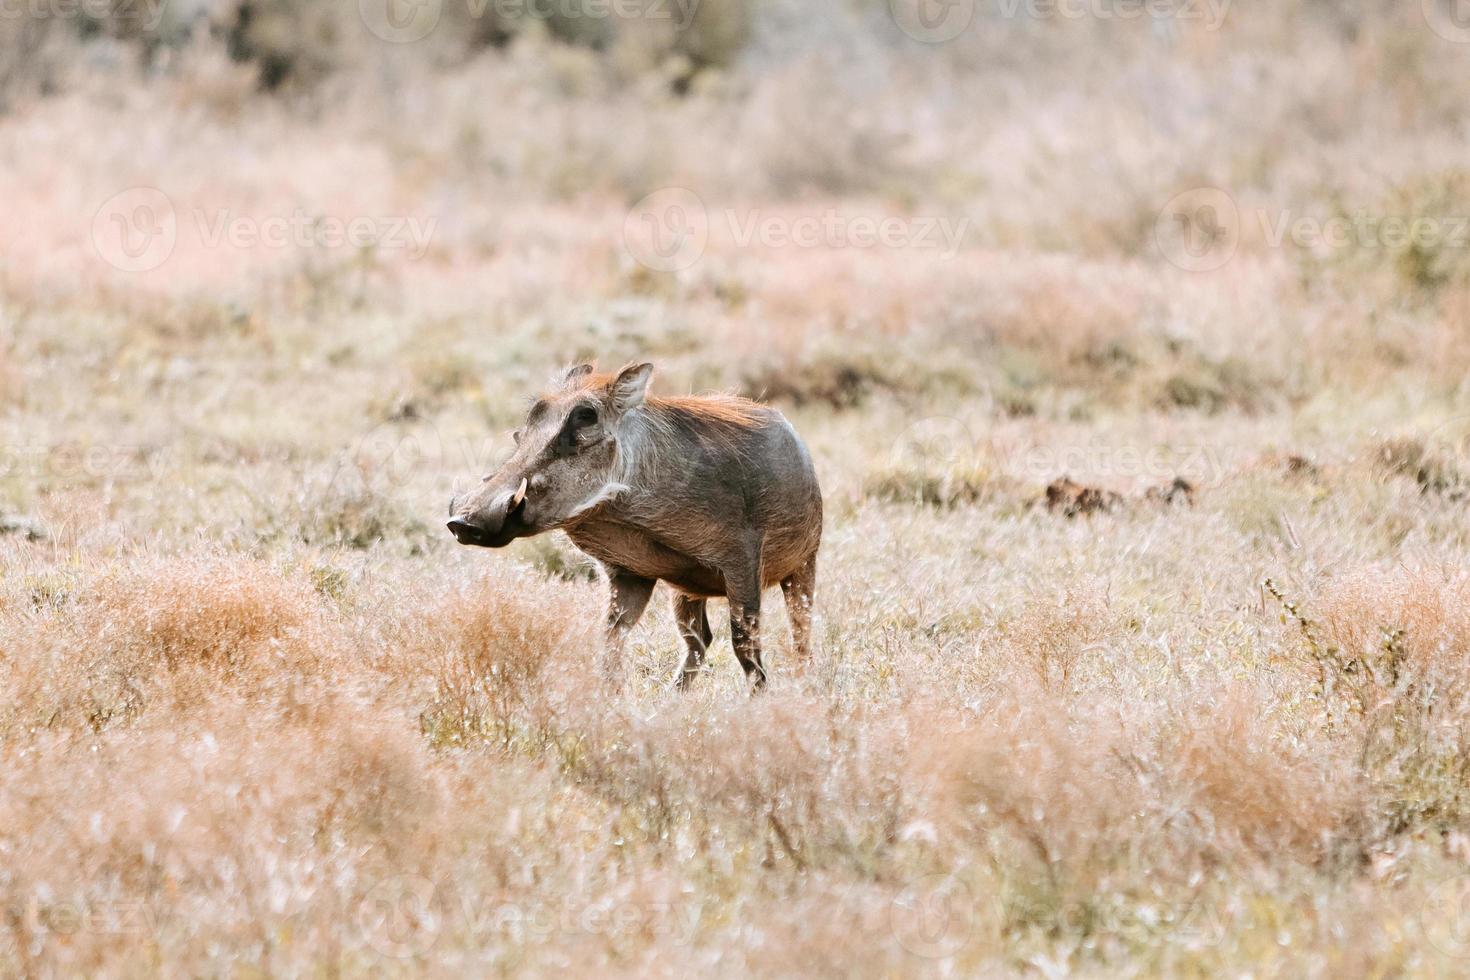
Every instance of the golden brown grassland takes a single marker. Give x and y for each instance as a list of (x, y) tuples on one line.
[(259, 713)]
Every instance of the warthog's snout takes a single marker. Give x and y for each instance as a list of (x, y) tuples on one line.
[(466, 533), (494, 526)]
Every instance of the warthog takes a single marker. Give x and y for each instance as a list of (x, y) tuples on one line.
[(714, 495)]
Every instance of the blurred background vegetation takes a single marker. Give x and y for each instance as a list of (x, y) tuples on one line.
[(1061, 127)]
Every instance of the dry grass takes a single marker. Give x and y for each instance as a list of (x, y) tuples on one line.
[(258, 714)]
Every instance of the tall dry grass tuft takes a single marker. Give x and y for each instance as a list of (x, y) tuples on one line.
[(1047, 777), (1424, 609), (1052, 639), (1253, 787), (816, 784), (229, 613), (505, 653), (1078, 793), (241, 830), (110, 643), (1388, 649)]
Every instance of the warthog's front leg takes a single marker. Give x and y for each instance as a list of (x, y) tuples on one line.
[(627, 596), (693, 620)]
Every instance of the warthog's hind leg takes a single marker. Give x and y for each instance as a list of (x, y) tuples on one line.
[(743, 589), (693, 622), (800, 589)]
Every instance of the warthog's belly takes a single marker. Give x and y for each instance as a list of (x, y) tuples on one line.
[(630, 548)]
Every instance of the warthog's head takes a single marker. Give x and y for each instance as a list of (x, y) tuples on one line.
[(565, 461)]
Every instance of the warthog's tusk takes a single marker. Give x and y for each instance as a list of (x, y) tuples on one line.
[(519, 497)]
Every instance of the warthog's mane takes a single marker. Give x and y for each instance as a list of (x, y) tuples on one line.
[(705, 415), (658, 431)]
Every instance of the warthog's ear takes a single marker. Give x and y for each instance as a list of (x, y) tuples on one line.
[(631, 385), (576, 371)]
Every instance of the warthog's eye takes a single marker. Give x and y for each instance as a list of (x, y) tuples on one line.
[(574, 434)]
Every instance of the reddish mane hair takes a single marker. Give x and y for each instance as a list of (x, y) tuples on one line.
[(718, 409)]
